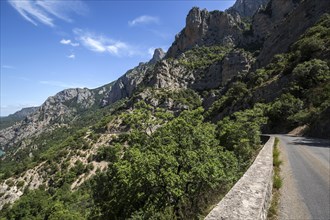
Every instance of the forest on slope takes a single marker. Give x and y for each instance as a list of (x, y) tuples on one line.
[(170, 152)]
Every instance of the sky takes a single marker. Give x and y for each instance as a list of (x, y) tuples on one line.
[(48, 46)]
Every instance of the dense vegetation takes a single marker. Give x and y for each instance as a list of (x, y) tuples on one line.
[(300, 80), (174, 163), (172, 172), (174, 167), (202, 57)]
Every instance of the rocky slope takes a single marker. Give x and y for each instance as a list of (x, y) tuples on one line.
[(205, 28), (281, 24), (16, 117), (224, 31), (55, 111), (65, 106), (213, 63)]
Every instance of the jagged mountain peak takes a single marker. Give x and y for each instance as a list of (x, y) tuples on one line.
[(204, 28), (159, 54), (247, 8)]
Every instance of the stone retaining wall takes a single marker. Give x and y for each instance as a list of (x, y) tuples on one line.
[(251, 195)]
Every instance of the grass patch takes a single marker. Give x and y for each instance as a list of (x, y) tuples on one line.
[(277, 183)]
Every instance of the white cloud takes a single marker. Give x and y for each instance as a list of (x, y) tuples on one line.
[(93, 44), (144, 19), (102, 44), (74, 44), (38, 11), (63, 41), (69, 42), (71, 56)]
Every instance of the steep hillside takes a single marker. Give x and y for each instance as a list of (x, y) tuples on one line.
[(68, 105), (171, 136), (11, 119)]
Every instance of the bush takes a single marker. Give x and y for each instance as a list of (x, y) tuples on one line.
[(167, 171), (277, 182), (240, 133), (10, 182), (311, 73), (20, 183)]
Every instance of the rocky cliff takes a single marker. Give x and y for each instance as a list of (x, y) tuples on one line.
[(217, 61), (205, 28), (282, 22), (55, 111), (273, 28), (63, 108), (16, 117), (247, 8)]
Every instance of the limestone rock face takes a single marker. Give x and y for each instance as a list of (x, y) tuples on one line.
[(205, 28), (282, 23), (234, 63), (247, 8), (159, 54), (170, 74), (55, 110), (125, 85)]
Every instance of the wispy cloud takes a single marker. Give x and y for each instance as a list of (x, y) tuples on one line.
[(45, 12), (144, 19), (102, 44), (61, 84), (7, 67), (69, 42), (71, 56)]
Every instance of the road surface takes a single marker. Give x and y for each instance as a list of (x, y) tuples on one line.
[(306, 178)]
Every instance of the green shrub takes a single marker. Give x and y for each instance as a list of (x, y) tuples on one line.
[(277, 182), (20, 183), (10, 182), (167, 171)]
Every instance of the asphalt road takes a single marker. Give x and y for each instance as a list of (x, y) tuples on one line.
[(309, 163)]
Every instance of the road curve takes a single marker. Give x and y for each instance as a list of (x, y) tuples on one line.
[(306, 170)]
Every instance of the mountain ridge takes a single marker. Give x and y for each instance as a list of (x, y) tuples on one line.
[(77, 131)]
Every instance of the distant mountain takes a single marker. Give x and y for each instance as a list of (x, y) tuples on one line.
[(147, 139), (11, 119)]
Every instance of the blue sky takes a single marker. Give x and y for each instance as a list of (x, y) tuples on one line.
[(48, 46)]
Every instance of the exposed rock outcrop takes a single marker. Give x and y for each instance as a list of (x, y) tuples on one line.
[(55, 110), (125, 85), (171, 74), (159, 54), (235, 62), (282, 23), (11, 119), (247, 8), (205, 28)]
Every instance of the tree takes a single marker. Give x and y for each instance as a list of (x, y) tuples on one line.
[(240, 132), (310, 74), (166, 173)]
